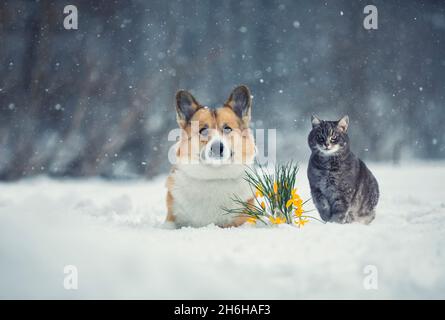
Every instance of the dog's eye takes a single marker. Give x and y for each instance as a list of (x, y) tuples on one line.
[(227, 129), (204, 131)]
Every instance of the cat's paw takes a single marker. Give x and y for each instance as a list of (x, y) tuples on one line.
[(325, 216), (340, 218)]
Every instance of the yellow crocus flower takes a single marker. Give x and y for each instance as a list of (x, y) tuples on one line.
[(301, 222), (298, 212), (277, 220), (289, 203), (251, 220), (294, 200)]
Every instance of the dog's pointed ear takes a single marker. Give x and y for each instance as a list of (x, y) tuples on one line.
[(186, 106), (343, 123), (316, 121), (240, 101)]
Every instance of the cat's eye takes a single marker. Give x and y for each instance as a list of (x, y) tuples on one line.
[(227, 129), (334, 138), (320, 139), (204, 131)]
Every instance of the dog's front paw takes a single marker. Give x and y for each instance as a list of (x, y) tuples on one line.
[(169, 225)]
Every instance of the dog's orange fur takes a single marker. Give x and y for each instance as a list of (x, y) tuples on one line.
[(170, 215), (240, 219), (240, 138)]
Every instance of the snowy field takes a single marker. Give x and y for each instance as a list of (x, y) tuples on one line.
[(112, 232)]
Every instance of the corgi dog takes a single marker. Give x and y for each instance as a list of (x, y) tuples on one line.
[(213, 150)]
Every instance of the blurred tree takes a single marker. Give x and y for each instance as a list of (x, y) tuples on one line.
[(99, 101)]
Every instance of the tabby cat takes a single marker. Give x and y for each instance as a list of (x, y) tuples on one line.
[(343, 189)]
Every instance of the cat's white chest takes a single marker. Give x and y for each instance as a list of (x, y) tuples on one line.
[(198, 201)]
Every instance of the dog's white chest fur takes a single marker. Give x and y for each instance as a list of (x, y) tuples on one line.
[(201, 192)]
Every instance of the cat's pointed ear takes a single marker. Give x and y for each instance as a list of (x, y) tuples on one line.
[(186, 106), (343, 123), (240, 101), (315, 121)]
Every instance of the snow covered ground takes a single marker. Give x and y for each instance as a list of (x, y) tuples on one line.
[(111, 231)]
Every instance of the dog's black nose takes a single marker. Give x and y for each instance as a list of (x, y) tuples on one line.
[(217, 149)]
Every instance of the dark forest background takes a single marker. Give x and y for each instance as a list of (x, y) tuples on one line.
[(100, 100)]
